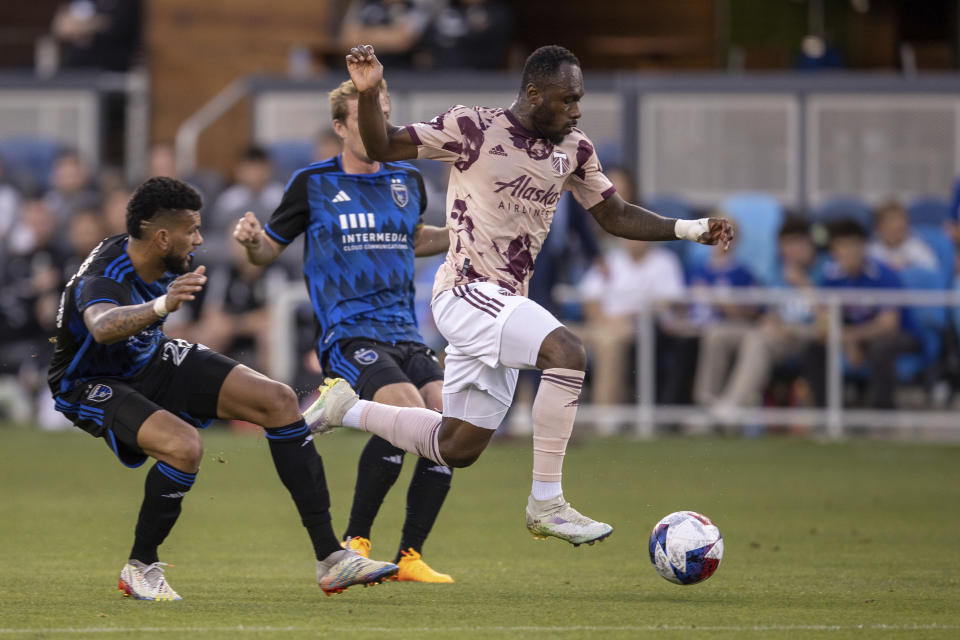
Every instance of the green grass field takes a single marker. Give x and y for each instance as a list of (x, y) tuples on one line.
[(856, 539)]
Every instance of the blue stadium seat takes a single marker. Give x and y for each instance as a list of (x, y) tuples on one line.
[(931, 322), (844, 207), (758, 217), (929, 210), (28, 161), (288, 156), (942, 245)]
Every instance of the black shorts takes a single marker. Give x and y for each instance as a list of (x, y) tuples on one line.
[(369, 365), (181, 377)]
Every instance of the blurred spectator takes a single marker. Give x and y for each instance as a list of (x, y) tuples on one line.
[(98, 34), (326, 145), (71, 189), (721, 271), (163, 162), (782, 332), (471, 34), (30, 284), (873, 336), (396, 28), (255, 189), (894, 244), (9, 205), (115, 212), (633, 276), (681, 328), (87, 229)]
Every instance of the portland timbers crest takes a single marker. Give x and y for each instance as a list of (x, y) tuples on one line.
[(561, 163), (399, 192)]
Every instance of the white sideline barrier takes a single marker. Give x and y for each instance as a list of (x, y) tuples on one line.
[(645, 415)]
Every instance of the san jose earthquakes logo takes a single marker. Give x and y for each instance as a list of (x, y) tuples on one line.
[(399, 192), (365, 356), (100, 393)]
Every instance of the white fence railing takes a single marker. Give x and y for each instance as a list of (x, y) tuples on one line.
[(833, 419)]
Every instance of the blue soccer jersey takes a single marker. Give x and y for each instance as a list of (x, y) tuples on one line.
[(107, 275), (358, 250)]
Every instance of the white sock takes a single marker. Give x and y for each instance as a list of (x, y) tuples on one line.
[(352, 417), (546, 490)]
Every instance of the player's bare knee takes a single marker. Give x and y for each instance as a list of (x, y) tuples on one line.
[(186, 451), (562, 349), (459, 458), (278, 402)]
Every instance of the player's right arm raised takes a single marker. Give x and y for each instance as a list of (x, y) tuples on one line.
[(383, 141), (261, 249), (109, 323)]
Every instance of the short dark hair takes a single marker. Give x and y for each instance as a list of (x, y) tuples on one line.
[(846, 228), (255, 153), (157, 196), (542, 65), (794, 226)]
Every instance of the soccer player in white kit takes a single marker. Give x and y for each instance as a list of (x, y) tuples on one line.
[(509, 169)]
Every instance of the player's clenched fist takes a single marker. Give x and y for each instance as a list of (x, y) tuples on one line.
[(365, 70), (719, 231), (248, 231), (185, 288)]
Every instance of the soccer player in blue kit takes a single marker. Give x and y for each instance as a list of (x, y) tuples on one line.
[(117, 376), (362, 221)]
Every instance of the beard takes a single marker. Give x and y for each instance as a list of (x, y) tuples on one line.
[(172, 263), (542, 118)]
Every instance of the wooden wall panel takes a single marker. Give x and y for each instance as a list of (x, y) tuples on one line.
[(195, 49)]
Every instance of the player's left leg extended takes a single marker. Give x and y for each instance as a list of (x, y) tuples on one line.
[(251, 396), (561, 358)]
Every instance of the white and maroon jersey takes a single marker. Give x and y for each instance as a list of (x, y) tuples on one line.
[(504, 186)]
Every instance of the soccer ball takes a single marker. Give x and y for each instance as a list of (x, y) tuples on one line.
[(686, 547)]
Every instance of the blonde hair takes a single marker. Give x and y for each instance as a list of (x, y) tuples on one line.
[(348, 91)]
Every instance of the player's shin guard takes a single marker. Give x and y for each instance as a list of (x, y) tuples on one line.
[(379, 466), (164, 490), (554, 411), (426, 494), (413, 429), (301, 469)]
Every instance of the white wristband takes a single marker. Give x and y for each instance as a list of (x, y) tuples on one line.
[(691, 229), (160, 306)]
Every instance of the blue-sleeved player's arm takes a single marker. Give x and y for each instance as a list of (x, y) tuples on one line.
[(108, 321)]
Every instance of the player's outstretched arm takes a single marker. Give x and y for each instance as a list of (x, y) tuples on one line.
[(620, 218), (261, 248), (109, 323), (383, 141), (429, 240)]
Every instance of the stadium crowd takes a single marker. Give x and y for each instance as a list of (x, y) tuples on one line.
[(716, 355)]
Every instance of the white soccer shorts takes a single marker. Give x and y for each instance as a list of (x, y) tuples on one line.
[(491, 334)]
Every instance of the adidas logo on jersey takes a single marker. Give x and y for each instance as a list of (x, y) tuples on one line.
[(341, 197), (498, 151)]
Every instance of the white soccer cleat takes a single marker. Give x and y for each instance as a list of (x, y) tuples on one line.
[(146, 582), (555, 517), (350, 569), (327, 411)]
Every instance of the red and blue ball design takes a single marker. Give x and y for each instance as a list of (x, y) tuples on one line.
[(686, 547)]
